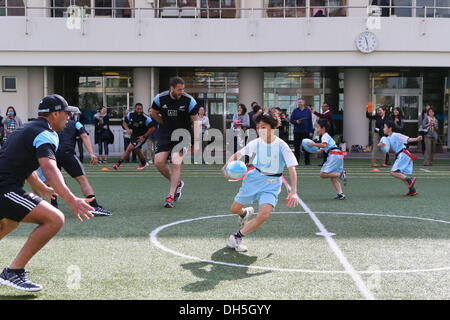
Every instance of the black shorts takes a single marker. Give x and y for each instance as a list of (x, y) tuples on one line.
[(134, 141), (16, 203), (164, 146), (71, 164)]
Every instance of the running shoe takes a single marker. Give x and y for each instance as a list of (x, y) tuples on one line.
[(177, 195), (18, 280), (169, 202), (340, 196), (142, 166), (100, 212), (411, 193), (236, 244), (411, 183)]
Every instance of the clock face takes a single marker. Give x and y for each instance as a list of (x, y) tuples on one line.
[(366, 42)]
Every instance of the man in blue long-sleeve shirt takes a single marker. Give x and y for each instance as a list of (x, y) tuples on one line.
[(301, 118)]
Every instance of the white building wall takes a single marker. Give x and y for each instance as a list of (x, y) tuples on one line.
[(18, 99), (222, 42)]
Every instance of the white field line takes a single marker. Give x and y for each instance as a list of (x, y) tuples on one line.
[(337, 251)]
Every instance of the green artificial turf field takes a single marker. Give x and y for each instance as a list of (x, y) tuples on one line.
[(375, 244)]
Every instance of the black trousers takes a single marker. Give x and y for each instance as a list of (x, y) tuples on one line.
[(298, 138), (80, 149)]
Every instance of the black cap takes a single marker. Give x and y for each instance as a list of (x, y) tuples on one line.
[(55, 102)]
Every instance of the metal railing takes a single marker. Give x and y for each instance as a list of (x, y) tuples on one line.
[(228, 13)]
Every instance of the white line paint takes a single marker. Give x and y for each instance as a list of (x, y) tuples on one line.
[(425, 170), (337, 251), (154, 239)]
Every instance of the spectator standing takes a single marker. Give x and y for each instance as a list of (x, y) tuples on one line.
[(242, 116), (10, 123), (255, 107), (328, 116), (204, 122), (423, 131), (397, 119), (102, 134), (301, 118), (430, 124), (380, 119)]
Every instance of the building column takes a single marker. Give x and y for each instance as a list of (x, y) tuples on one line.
[(251, 86), (248, 4), (356, 95), (35, 90), (142, 87)]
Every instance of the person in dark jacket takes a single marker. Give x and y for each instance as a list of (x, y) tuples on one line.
[(301, 118), (397, 119), (102, 136), (380, 119)]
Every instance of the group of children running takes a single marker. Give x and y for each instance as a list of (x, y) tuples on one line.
[(271, 155)]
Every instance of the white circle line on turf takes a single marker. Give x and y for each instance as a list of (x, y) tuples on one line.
[(154, 239), (356, 277)]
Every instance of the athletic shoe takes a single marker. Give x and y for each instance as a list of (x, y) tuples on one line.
[(169, 202), (340, 196), (18, 280), (116, 166), (142, 166), (411, 183), (411, 193), (100, 212), (236, 244), (242, 220), (343, 177), (177, 195)]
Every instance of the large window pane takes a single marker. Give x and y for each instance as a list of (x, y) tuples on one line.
[(445, 12), (103, 4), (425, 3), (12, 8), (401, 12)]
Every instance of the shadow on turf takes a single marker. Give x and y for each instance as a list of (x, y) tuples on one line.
[(217, 273), (18, 297)]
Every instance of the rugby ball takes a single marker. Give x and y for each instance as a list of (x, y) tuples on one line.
[(387, 146), (236, 169), (308, 148)]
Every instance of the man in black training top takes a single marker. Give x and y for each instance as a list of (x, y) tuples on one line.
[(174, 109), (66, 158), (29, 147), (140, 127)]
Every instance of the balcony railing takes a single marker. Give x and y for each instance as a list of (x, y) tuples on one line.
[(197, 12)]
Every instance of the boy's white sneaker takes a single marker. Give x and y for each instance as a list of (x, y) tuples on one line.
[(236, 244)]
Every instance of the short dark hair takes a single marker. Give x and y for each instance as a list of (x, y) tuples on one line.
[(138, 104), (174, 81), (267, 118), (244, 108), (389, 124), (256, 108), (324, 123), (428, 111)]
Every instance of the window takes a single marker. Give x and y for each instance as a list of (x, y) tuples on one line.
[(9, 84), (297, 8), (12, 8), (112, 8)]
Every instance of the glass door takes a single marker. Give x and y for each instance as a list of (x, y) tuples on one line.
[(117, 103)]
